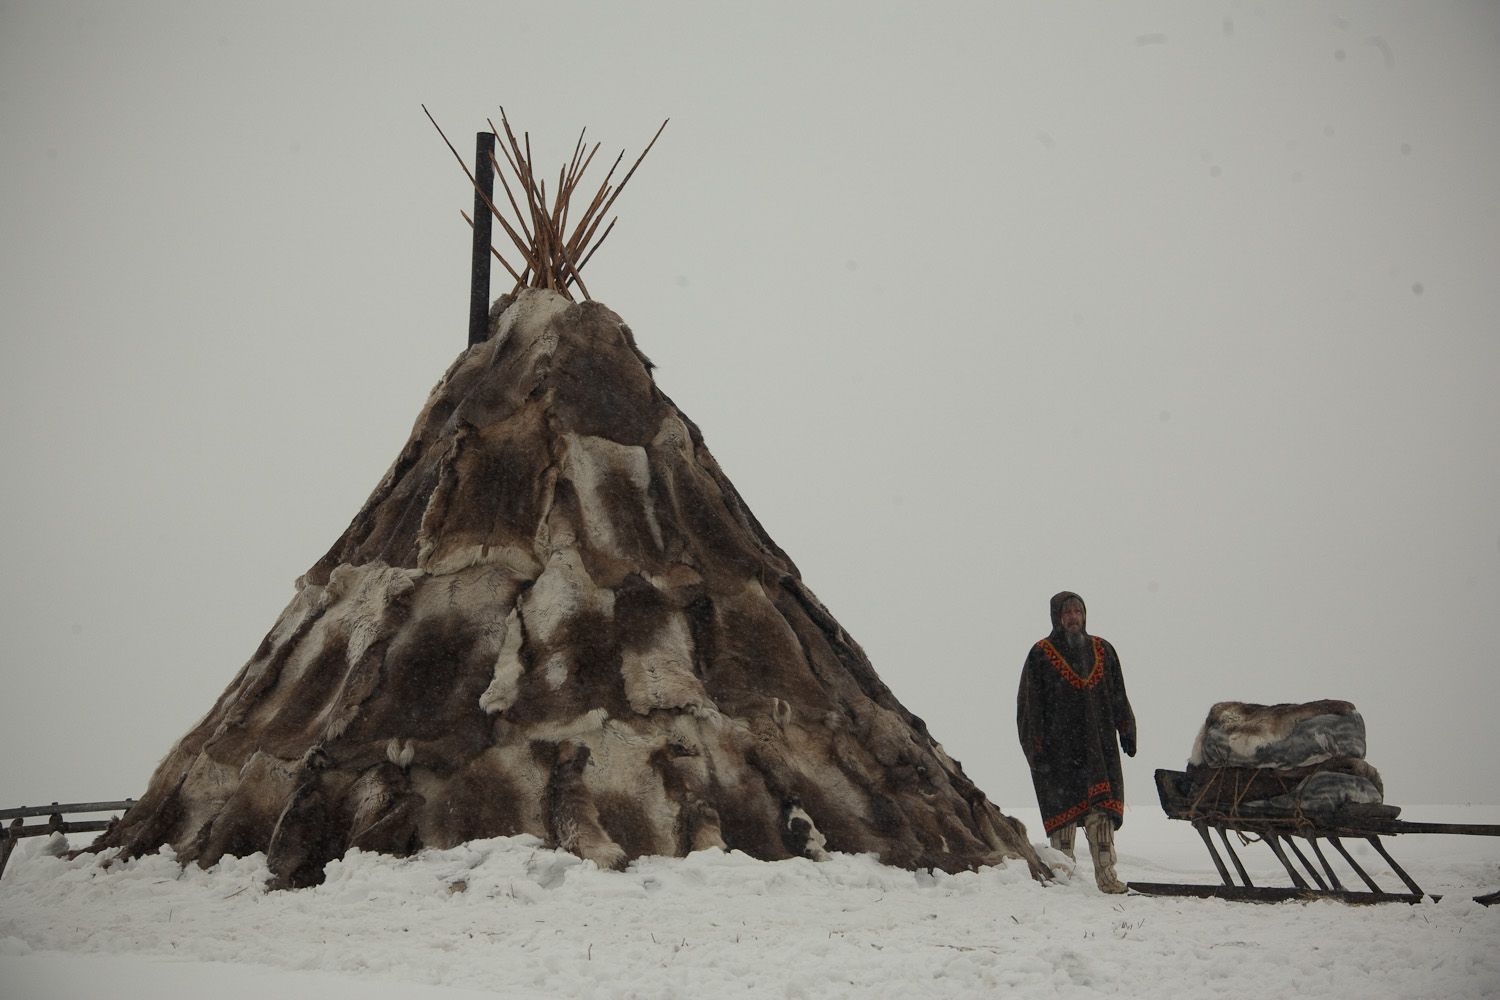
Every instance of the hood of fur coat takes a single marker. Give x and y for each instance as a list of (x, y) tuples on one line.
[(1058, 600)]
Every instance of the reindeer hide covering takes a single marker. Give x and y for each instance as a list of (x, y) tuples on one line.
[(556, 616)]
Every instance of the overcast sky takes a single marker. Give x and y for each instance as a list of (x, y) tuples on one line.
[(1192, 308)]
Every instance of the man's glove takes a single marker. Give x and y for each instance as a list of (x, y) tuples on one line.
[(1127, 743)]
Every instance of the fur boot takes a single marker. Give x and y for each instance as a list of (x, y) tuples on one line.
[(1101, 835), (1062, 840)]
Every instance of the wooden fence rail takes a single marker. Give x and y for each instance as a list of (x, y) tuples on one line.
[(18, 829)]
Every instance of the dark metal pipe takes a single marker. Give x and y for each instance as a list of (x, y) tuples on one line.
[(479, 283)]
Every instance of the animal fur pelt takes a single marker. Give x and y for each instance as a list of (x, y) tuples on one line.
[(1317, 788), (1282, 759), (1240, 734), (556, 616)]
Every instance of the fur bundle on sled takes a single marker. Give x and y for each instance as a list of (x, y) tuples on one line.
[(1306, 757)]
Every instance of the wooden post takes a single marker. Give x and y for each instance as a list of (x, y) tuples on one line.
[(1291, 844), (1333, 879), (8, 838), (1400, 872), (1238, 865), (1202, 829), (479, 287), (1274, 843), (1338, 845), (26, 812)]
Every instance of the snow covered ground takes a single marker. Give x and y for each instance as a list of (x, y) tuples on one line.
[(512, 918)]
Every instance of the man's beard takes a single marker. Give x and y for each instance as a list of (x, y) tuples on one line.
[(1075, 641)]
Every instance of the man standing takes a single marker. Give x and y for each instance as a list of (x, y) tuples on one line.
[(1071, 704)]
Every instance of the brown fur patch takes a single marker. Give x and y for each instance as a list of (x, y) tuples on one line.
[(602, 387), (430, 687), (307, 837), (296, 721), (748, 817), (626, 823), (478, 802)]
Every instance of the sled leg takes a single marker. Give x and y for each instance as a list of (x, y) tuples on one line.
[(1400, 872), (1244, 876), (1218, 861), (1354, 864), (1291, 842), (1332, 878), (1274, 843)]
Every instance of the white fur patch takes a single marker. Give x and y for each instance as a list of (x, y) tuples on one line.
[(528, 321), (673, 434), (555, 671), (309, 599), (513, 559), (206, 787), (591, 463), (885, 736), (589, 723), (707, 836), (559, 595), (504, 688), (554, 533), (363, 594), (399, 753), (817, 844)]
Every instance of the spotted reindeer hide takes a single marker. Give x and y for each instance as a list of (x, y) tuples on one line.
[(556, 616)]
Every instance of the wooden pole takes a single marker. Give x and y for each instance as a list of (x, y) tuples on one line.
[(70, 807), (8, 840), (484, 190)]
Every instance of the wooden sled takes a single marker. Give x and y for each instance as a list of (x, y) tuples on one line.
[(1281, 832)]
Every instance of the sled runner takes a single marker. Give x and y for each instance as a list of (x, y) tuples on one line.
[(1280, 831)]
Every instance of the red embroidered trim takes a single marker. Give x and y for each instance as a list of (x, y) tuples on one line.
[(1065, 817), (1061, 665), (1072, 813)]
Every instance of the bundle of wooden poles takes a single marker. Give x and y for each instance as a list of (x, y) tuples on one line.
[(552, 258)]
